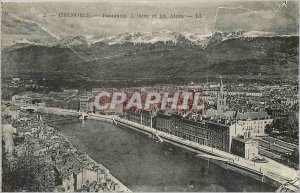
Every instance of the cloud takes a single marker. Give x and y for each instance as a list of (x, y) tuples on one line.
[(218, 16), (15, 29), (283, 20)]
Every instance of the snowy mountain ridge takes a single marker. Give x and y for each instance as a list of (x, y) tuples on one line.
[(165, 36)]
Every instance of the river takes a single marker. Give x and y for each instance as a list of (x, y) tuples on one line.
[(142, 164)]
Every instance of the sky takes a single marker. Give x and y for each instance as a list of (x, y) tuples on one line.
[(272, 16)]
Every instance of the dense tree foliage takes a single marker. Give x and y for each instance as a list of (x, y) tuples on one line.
[(287, 127), (25, 173)]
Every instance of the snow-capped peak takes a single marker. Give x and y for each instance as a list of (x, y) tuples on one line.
[(259, 34), (73, 41), (164, 36)]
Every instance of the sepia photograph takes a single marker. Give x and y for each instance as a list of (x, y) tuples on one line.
[(150, 96)]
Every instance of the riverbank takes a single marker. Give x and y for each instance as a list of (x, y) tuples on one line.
[(144, 165), (263, 172), (119, 187), (73, 169)]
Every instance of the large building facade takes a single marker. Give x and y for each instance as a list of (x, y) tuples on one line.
[(142, 117), (189, 129), (214, 133), (255, 122), (221, 133)]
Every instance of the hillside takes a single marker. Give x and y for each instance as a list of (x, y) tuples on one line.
[(16, 32), (221, 54)]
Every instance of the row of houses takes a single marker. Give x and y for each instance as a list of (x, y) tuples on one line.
[(71, 169), (217, 133)]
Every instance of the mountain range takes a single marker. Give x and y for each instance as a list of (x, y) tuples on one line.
[(165, 36), (173, 57), (149, 57)]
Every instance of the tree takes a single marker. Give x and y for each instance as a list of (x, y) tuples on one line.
[(269, 129), (288, 126), (26, 173), (295, 155)]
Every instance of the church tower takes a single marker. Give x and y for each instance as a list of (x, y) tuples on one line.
[(221, 99)]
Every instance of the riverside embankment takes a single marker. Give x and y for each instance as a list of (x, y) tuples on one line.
[(263, 172)]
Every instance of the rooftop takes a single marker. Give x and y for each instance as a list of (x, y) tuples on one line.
[(242, 139)]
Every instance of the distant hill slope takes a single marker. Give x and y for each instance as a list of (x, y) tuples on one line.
[(18, 32), (221, 54)]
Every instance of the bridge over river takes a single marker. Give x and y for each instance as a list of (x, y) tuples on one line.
[(55, 119)]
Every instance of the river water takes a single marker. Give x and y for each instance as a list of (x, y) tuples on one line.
[(142, 164)]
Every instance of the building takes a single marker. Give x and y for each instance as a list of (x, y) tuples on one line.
[(86, 177), (245, 93), (143, 117), (254, 121), (69, 169), (220, 134), (164, 122), (213, 133), (190, 129), (118, 110), (85, 104), (75, 170), (245, 146), (217, 132), (19, 101)]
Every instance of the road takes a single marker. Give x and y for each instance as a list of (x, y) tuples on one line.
[(281, 174)]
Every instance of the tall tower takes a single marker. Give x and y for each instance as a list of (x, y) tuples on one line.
[(221, 99)]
